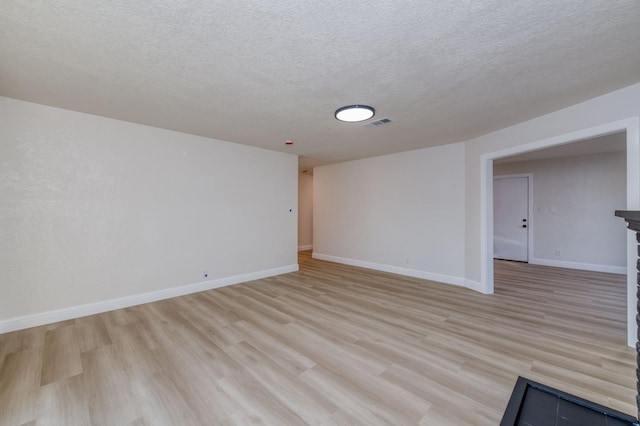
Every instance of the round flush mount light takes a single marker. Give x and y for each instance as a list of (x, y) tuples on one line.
[(353, 113)]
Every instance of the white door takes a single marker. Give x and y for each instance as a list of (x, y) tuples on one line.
[(511, 218)]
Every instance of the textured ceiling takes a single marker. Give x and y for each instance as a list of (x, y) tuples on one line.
[(616, 142), (261, 72)]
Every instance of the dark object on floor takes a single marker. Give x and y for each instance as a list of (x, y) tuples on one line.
[(633, 222), (534, 404)]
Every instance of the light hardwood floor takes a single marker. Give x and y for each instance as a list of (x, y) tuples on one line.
[(331, 344)]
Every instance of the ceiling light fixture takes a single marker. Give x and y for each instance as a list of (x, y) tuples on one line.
[(354, 113)]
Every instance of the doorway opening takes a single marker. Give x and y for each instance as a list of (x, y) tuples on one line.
[(631, 128), (305, 209)]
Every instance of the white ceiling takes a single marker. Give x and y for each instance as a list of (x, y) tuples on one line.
[(616, 142), (261, 72)]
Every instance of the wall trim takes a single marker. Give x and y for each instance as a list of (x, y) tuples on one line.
[(578, 265), (447, 279), (48, 317), (473, 285), (307, 247)]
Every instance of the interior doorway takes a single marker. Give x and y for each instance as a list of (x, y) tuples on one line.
[(305, 210), (631, 127)]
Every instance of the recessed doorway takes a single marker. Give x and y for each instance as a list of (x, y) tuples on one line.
[(631, 127)]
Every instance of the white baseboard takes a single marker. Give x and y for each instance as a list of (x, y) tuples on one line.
[(474, 285), (577, 265), (33, 320), (447, 279), (307, 247)]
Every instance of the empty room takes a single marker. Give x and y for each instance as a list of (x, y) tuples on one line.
[(283, 213)]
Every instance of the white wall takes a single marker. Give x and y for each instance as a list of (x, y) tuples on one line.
[(573, 203), (93, 209), (305, 211), (402, 213)]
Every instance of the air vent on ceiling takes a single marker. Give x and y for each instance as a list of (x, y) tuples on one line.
[(378, 122)]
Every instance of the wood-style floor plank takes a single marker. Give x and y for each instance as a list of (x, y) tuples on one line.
[(328, 345)]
